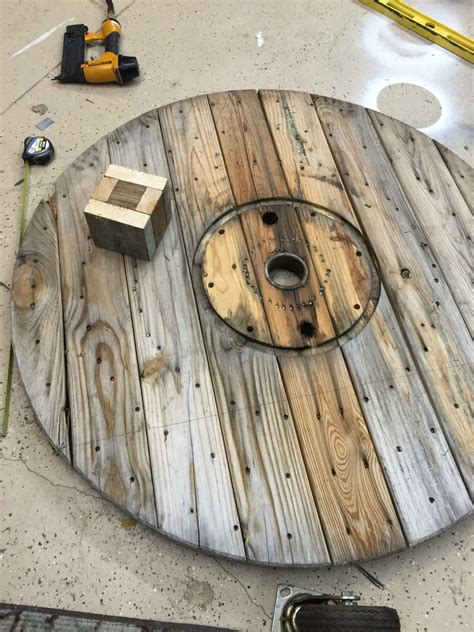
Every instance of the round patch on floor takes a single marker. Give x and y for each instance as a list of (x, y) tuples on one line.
[(410, 103)]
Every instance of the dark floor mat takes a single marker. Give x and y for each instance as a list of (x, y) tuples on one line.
[(15, 618)]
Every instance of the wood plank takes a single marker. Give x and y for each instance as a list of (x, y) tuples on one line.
[(230, 292), (346, 477), (238, 116), (202, 170), (103, 379), (270, 505), (190, 472), (127, 194), (37, 325), (277, 512), (119, 172), (437, 205), (312, 176), (461, 172), (424, 480), (285, 310), (303, 150), (438, 338), (339, 516), (378, 356)]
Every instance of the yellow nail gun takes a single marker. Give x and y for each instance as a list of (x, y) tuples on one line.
[(110, 67)]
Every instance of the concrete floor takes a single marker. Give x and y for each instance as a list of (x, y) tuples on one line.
[(62, 545)]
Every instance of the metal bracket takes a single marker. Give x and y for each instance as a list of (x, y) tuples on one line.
[(427, 27), (290, 598)]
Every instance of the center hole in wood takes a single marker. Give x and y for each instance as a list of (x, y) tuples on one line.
[(286, 271)]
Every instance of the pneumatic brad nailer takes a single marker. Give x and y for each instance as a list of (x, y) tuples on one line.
[(110, 67)]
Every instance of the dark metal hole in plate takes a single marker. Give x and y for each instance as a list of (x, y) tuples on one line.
[(269, 218), (286, 271)]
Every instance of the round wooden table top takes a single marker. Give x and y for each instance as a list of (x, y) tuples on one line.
[(288, 380)]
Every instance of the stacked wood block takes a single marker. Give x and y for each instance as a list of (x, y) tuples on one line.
[(127, 212)]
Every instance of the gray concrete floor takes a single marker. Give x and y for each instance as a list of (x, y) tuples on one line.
[(61, 544)]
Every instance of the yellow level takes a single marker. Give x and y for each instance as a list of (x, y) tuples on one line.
[(425, 26)]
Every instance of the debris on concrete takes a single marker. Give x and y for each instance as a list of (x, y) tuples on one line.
[(46, 122), (40, 109)]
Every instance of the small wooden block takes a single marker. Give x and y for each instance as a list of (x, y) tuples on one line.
[(127, 212)]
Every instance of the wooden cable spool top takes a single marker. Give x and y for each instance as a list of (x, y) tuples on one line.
[(298, 257), (288, 380)]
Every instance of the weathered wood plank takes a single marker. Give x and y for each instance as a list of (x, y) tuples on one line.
[(336, 506), (103, 379), (270, 505), (461, 172), (437, 206), (195, 501), (356, 509), (312, 176), (303, 150), (238, 116), (424, 480), (438, 338), (286, 311), (202, 170), (37, 325), (230, 292), (378, 356)]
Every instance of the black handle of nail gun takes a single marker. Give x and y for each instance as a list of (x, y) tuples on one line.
[(112, 42)]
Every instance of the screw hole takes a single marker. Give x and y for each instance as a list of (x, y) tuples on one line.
[(306, 329), (269, 218)]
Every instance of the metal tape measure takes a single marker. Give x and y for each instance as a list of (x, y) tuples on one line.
[(37, 150)]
